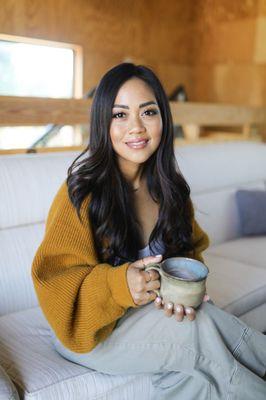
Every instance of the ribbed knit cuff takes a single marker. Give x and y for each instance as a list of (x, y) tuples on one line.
[(117, 280)]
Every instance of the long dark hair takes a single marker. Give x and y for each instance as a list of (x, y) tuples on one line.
[(111, 209)]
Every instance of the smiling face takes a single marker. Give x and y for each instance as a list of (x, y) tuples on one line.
[(136, 126)]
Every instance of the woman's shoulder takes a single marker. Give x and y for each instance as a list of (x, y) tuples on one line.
[(62, 202), (63, 194)]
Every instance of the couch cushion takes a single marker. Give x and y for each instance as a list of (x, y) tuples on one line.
[(214, 172), (217, 213), (218, 165), (28, 184), (256, 318), (17, 248), (7, 388), (235, 286), (40, 373), (250, 251)]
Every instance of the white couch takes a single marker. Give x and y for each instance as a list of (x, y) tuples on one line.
[(237, 280)]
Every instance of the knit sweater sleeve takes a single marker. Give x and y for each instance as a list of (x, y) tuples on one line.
[(81, 298), (200, 239)]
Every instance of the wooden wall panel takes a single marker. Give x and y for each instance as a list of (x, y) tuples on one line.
[(214, 47), (230, 61), (260, 41), (151, 32), (262, 7), (226, 42)]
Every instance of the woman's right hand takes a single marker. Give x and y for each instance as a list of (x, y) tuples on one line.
[(142, 283)]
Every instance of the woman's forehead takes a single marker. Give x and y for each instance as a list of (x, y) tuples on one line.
[(133, 91)]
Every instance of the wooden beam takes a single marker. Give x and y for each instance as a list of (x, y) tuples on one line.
[(207, 114), (42, 111), (27, 111)]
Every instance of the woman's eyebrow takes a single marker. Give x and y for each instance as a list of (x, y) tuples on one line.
[(147, 103), (140, 106)]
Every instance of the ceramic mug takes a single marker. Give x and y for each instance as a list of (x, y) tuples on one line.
[(183, 280)]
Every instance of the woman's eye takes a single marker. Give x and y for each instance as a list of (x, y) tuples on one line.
[(118, 115), (151, 112)]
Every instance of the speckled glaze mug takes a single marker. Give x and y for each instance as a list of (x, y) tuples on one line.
[(183, 280)]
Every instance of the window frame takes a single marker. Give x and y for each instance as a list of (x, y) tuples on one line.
[(78, 57), (77, 91)]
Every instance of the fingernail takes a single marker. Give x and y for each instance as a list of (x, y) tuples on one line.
[(158, 300), (189, 311), (158, 255), (178, 309), (169, 306)]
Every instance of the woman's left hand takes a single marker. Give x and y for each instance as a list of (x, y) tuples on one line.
[(178, 310)]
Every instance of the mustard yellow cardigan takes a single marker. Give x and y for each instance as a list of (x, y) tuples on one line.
[(81, 298)]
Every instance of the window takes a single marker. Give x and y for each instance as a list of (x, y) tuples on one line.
[(38, 68)]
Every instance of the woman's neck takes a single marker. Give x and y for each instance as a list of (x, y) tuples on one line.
[(133, 174)]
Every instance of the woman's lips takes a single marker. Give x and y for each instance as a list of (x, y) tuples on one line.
[(137, 145)]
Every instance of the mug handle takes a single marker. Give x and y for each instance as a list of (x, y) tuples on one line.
[(155, 267)]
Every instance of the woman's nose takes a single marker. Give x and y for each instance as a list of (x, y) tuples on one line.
[(136, 125)]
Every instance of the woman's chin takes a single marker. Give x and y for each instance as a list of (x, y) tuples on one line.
[(138, 159)]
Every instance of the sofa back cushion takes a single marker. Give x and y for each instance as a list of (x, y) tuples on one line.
[(218, 214), (18, 246), (217, 166), (28, 184), (214, 173)]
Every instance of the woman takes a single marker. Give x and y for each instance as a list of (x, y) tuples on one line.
[(123, 206)]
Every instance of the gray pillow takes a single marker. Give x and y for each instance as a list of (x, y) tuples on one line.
[(252, 211)]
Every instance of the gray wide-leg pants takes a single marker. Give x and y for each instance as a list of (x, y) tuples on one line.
[(215, 357)]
